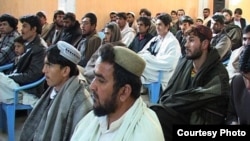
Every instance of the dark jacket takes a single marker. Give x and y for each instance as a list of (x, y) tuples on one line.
[(87, 47), (239, 102), (235, 34), (49, 36), (182, 40), (203, 98), (72, 35), (29, 68), (138, 44)]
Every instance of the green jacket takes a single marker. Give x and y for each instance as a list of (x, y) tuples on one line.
[(202, 99)]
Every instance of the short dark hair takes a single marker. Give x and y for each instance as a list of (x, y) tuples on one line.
[(244, 62), (238, 11), (122, 15), (173, 12), (207, 9), (146, 11), (246, 29), (181, 10), (58, 12), (219, 18), (13, 22), (19, 39), (165, 18), (121, 75), (186, 19), (227, 11), (41, 14), (92, 17), (70, 16), (54, 57), (145, 20), (33, 21)]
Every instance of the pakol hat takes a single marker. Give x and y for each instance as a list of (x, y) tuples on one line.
[(129, 60)]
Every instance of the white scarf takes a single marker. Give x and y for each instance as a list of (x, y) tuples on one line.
[(139, 123)]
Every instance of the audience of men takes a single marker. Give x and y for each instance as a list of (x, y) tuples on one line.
[(195, 85), (119, 111), (197, 93), (29, 67)]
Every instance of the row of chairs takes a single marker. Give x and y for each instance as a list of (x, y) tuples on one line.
[(8, 111)]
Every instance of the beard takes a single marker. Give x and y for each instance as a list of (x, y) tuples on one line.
[(195, 55), (109, 106)]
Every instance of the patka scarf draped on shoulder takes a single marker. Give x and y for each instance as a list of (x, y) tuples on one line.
[(139, 123), (59, 123)]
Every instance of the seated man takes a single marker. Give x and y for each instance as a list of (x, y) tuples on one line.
[(128, 33), (71, 29), (119, 112), (198, 89), (240, 93), (185, 23), (143, 36), (161, 53), (55, 28), (90, 40), (29, 67), (220, 41), (9, 30), (64, 103), (233, 64)]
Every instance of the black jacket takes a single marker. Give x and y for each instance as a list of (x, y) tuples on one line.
[(29, 68)]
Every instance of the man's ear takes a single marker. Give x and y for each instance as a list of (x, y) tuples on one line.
[(66, 71), (205, 44), (125, 92)]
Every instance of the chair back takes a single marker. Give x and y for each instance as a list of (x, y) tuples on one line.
[(8, 110), (154, 89), (6, 67)]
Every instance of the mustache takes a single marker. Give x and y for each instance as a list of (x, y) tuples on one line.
[(94, 95)]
